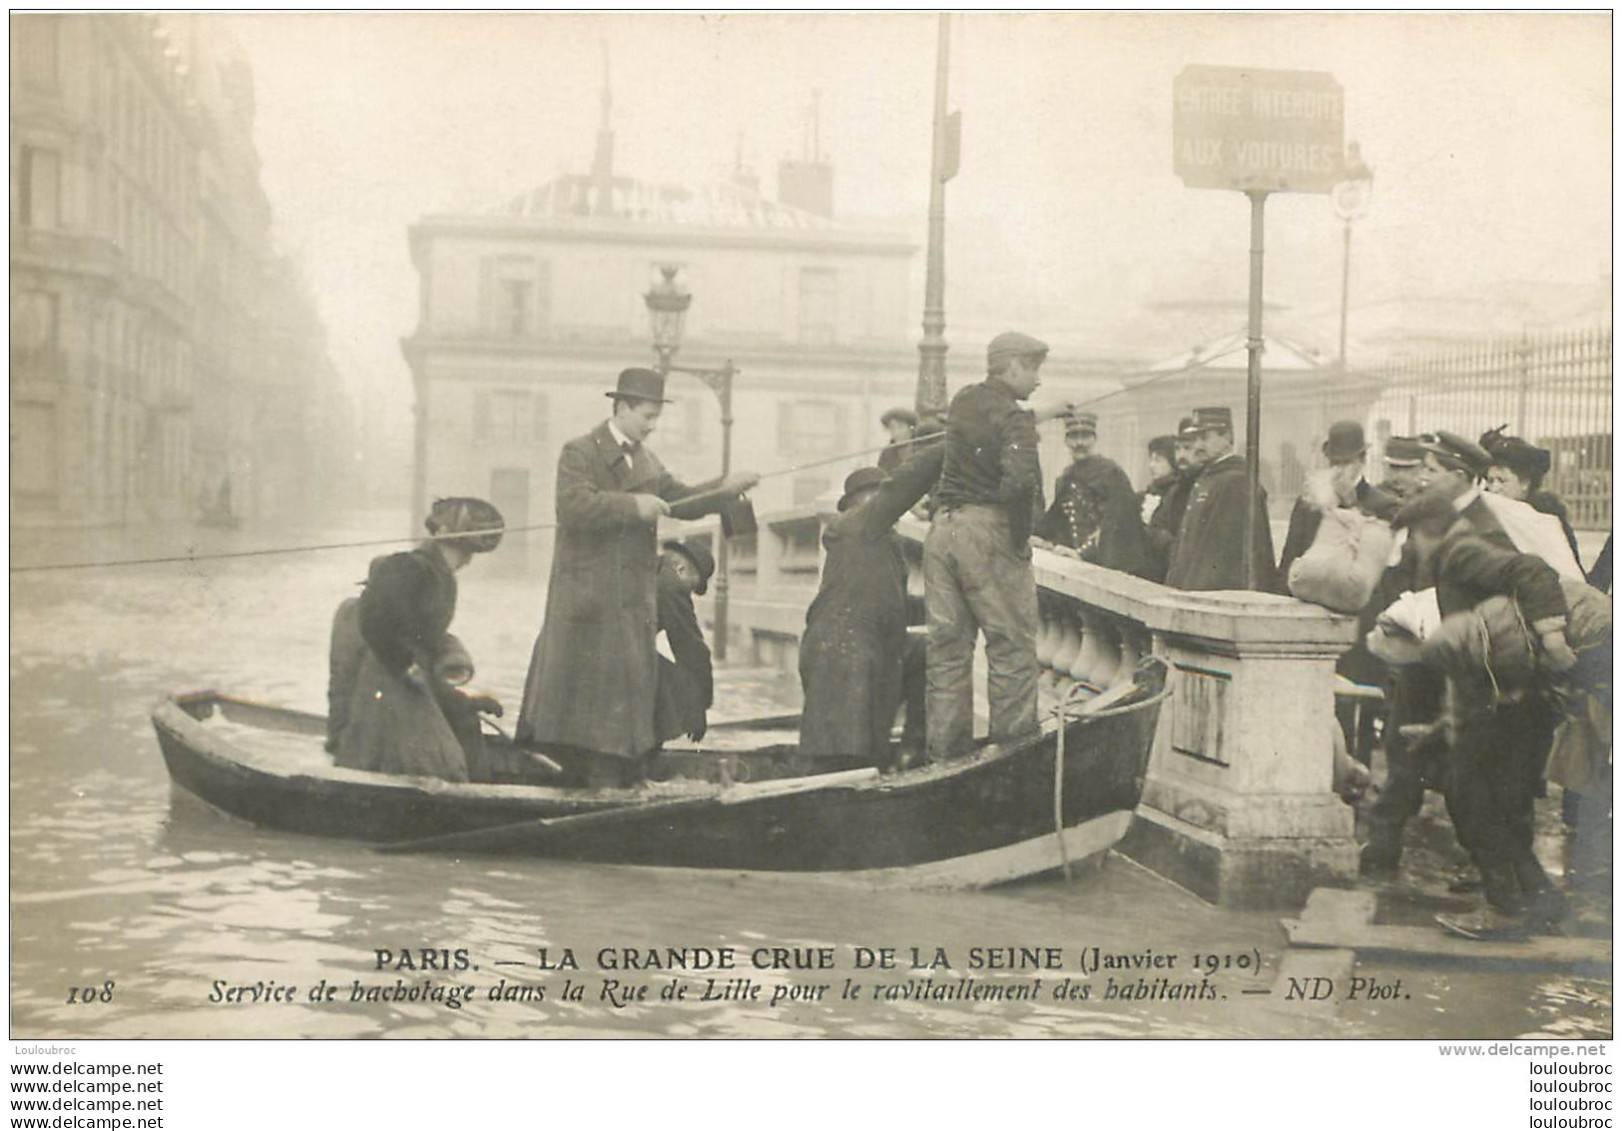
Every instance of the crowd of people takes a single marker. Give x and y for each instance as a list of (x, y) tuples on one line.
[(621, 666)]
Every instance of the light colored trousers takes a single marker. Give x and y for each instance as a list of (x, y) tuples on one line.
[(975, 583)]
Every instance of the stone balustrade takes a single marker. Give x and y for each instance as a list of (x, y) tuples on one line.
[(1238, 806)]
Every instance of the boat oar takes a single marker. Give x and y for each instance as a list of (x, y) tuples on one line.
[(499, 836)]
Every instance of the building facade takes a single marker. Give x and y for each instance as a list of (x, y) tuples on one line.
[(157, 341)]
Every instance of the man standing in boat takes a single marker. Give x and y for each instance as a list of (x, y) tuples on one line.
[(977, 557), (591, 689)]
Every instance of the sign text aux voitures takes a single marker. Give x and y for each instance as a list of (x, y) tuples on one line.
[(1254, 130)]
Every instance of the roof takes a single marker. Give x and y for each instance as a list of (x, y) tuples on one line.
[(1281, 355), (720, 205)]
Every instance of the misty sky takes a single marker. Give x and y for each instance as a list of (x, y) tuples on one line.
[(1489, 136)]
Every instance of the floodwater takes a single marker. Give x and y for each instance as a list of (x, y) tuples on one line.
[(160, 904)]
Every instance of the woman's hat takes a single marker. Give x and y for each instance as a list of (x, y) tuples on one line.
[(1526, 460), (862, 479), (701, 559), (640, 385)]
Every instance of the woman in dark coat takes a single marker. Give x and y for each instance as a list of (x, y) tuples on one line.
[(405, 716), (855, 641), (1517, 472)]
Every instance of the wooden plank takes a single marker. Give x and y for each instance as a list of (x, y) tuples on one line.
[(1340, 905), (1330, 907), (1425, 943)]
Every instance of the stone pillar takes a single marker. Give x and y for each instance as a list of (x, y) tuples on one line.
[(1238, 806)]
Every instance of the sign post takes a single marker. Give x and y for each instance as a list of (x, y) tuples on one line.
[(1257, 132)]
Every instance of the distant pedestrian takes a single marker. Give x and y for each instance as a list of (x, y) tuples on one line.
[(1210, 551), (1095, 511), (977, 556), (901, 424)]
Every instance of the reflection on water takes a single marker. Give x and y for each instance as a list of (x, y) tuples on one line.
[(115, 880)]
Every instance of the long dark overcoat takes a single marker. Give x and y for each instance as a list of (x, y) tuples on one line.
[(1210, 553), (687, 685), (1092, 497), (591, 683), (856, 627)]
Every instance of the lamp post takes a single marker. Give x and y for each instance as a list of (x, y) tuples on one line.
[(1351, 199), (667, 302)]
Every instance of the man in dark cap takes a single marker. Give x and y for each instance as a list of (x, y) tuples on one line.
[(1496, 750), (853, 656), (1094, 509), (1403, 457), (590, 694), (977, 557), (1345, 452), (1160, 531), (686, 681), (1210, 550), (901, 424)]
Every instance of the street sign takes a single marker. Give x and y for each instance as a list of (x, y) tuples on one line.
[(1253, 130)]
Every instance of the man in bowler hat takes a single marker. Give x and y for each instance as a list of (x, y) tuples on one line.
[(1345, 452), (590, 693)]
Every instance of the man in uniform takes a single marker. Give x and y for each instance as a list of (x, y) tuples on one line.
[(977, 556), (1161, 532), (1210, 550), (1095, 510), (1403, 456), (590, 692)]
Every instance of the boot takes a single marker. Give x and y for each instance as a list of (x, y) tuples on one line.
[(1545, 903), (1381, 857), (1503, 917)]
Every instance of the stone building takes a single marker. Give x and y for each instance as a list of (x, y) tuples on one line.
[(154, 332)]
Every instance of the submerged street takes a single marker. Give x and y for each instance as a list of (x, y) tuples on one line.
[(118, 882)]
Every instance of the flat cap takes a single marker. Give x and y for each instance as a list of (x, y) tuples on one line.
[(906, 415), (1012, 343)]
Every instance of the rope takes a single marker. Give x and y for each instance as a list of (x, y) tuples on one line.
[(181, 559), (1062, 711)]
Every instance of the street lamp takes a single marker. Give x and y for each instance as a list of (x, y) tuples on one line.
[(667, 302), (1351, 199)]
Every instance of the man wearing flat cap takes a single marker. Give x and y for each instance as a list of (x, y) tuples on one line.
[(977, 557), (1210, 550), (590, 692), (901, 424), (856, 660), (1095, 511)]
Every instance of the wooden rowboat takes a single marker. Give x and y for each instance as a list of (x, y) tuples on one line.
[(1004, 813)]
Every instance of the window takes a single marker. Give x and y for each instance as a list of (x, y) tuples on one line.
[(37, 49), (41, 188), (34, 321), (516, 298), (819, 305), (512, 416), (810, 428)]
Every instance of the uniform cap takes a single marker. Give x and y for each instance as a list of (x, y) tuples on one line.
[(1456, 451), (1082, 423), (1206, 419), (1403, 451)]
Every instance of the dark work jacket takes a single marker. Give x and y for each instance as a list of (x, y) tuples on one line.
[(407, 607), (1096, 512), (1306, 518), (1468, 569), (991, 458), (686, 688), (856, 628), (1209, 553), (1161, 533), (1600, 576)]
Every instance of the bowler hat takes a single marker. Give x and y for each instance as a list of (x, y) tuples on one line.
[(859, 480), (905, 415), (1012, 343), (1345, 442), (700, 557), (1206, 419), (640, 385), (1081, 422), (1456, 451), (1403, 451)]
